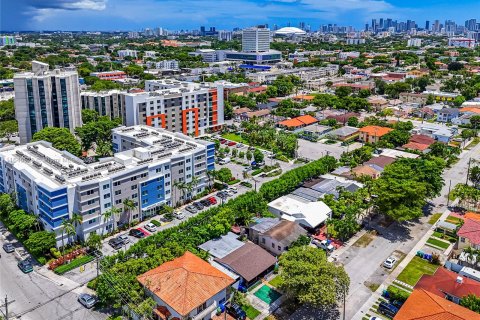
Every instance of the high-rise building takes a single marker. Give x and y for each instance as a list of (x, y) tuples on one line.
[(374, 25), (186, 107), (53, 184), (224, 35), (7, 41), (202, 31), (46, 98), (256, 40), (106, 103), (427, 25), (436, 26), (381, 26), (471, 24), (301, 25)]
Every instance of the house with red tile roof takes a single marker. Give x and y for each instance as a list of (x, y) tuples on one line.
[(372, 134), (424, 305), (298, 122), (469, 234), (186, 287), (449, 285)]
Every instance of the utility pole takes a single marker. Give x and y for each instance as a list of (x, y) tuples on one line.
[(468, 170), (448, 195), (6, 306), (98, 266)]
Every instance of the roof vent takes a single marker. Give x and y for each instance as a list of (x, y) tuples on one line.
[(459, 279)]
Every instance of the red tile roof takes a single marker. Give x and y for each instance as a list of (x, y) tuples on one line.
[(470, 230), (416, 146), (444, 281), (185, 283), (424, 305), (375, 131), (381, 161), (423, 139), (298, 121)]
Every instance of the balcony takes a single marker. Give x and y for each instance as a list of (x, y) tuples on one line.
[(207, 311)]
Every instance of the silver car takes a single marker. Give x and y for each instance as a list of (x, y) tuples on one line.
[(87, 300), (389, 263)]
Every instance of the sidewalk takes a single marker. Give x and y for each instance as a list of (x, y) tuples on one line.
[(378, 293)]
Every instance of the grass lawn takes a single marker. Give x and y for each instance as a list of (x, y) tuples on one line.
[(364, 240), (434, 218), (234, 137), (276, 282), (415, 269), (472, 144), (372, 286), (438, 243), (454, 220), (251, 312)]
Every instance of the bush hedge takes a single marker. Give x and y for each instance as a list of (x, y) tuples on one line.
[(155, 223), (75, 263)]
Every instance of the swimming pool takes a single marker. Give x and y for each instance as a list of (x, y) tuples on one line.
[(267, 294)]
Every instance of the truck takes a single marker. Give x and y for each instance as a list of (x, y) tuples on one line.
[(224, 160)]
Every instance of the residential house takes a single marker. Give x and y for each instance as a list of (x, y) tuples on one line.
[(222, 246), (250, 262), (344, 117), (419, 142), (424, 305), (380, 161), (447, 114), (327, 184), (314, 131), (344, 133), (449, 285), (372, 171), (413, 97), (424, 113), (378, 103), (276, 238), (298, 122), (186, 288), (309, 214), (438, 132), (469, 234), (372, 134)]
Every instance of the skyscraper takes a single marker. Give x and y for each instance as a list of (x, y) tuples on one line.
[(471, 24), (255, 40), (427, 25), (374, 25), (46, 98)]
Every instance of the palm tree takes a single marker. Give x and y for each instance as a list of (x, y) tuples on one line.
[(113, 212), (211, 176), (76, 220), (180, 185), (67, 228), (470, 255), (129, 206)]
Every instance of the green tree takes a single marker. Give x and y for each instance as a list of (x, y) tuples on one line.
[(396, 138), (458, 101), (352, 121), (89, 115), (272, 91), (455, 66), (112, 214), (475, 121), (22, 222), (471, 302), (129, 206), (258, 156), (224, 175), (474, 176), (94, 241), (67, 229), (307, 276), (364, 93), (430, 99), (40, 242), (342, 92), (7, 110), (98, 132), (8, 128), (60, 138)]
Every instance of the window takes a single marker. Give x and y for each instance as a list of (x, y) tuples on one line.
[(134, 196), (263, 240), (118, 201), (167, 167), (158, 170), (133, 178), (279, 248), (107, 205), (167, 183), (106, 196), (462, 240), (167, 175), (90, 201), (202, 307), (133, 187), (273, 245), (118, 192), (89, 192), (187, 161), (145, 193), (106, 186), (145, 201), (180, 171), (117, 183), (188, 168)]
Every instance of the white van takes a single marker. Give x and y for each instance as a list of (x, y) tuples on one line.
[(225, 160)]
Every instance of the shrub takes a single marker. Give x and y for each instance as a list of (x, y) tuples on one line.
[(75, 263), (257, 172), (42, 260), (92, 284), (55, 253), (398, 294), (155, 223)]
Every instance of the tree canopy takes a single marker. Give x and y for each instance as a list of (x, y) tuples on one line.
[(60, 138)]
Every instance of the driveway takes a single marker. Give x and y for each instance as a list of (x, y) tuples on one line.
[(36, 296)]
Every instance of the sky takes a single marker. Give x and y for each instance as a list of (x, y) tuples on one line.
[(112, 15)]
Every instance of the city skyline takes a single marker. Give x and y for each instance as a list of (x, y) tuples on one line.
[(109, 15)]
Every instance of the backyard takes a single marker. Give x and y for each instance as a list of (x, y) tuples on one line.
[(438, 243), (415, 269), (234, 137)]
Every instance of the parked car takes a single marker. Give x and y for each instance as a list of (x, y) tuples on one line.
[(323, 245), (222, 195), (230, 193), (206, 203), (191, 209), (151, 227), (124, 238), (389, 263), (231, 143), (236, 311), (223, 141), (198, 205), (87, 300), (136, 233), (25, 266), (233, 189), (387, 309), (224, 161), (8, 247), (212, 200), (180, 215), (239, 145), (246, 169), (115, 243)]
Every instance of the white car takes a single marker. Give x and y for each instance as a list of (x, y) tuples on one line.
[(150, 227), (180, 215), (389, 263), (324, 245), (124, 238), (232, 189)]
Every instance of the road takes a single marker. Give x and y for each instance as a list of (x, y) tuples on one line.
[(364, 264), (36, 296)]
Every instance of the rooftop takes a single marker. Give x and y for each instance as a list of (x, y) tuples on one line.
[(185, 282), (424, 305), (375, 131), (220, 247), (298, 121), (470, 230), (285, 232), (249, 261)]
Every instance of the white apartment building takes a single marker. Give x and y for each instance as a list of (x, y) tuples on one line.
[(187, 107), (45, 98), (224, 35), (106, 103), (149, 54), (305, 74), (164, 65), (256, 40), (355, 41), (461, 42), (415, 42), (127, 53), (54, 184), (209, 55)]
